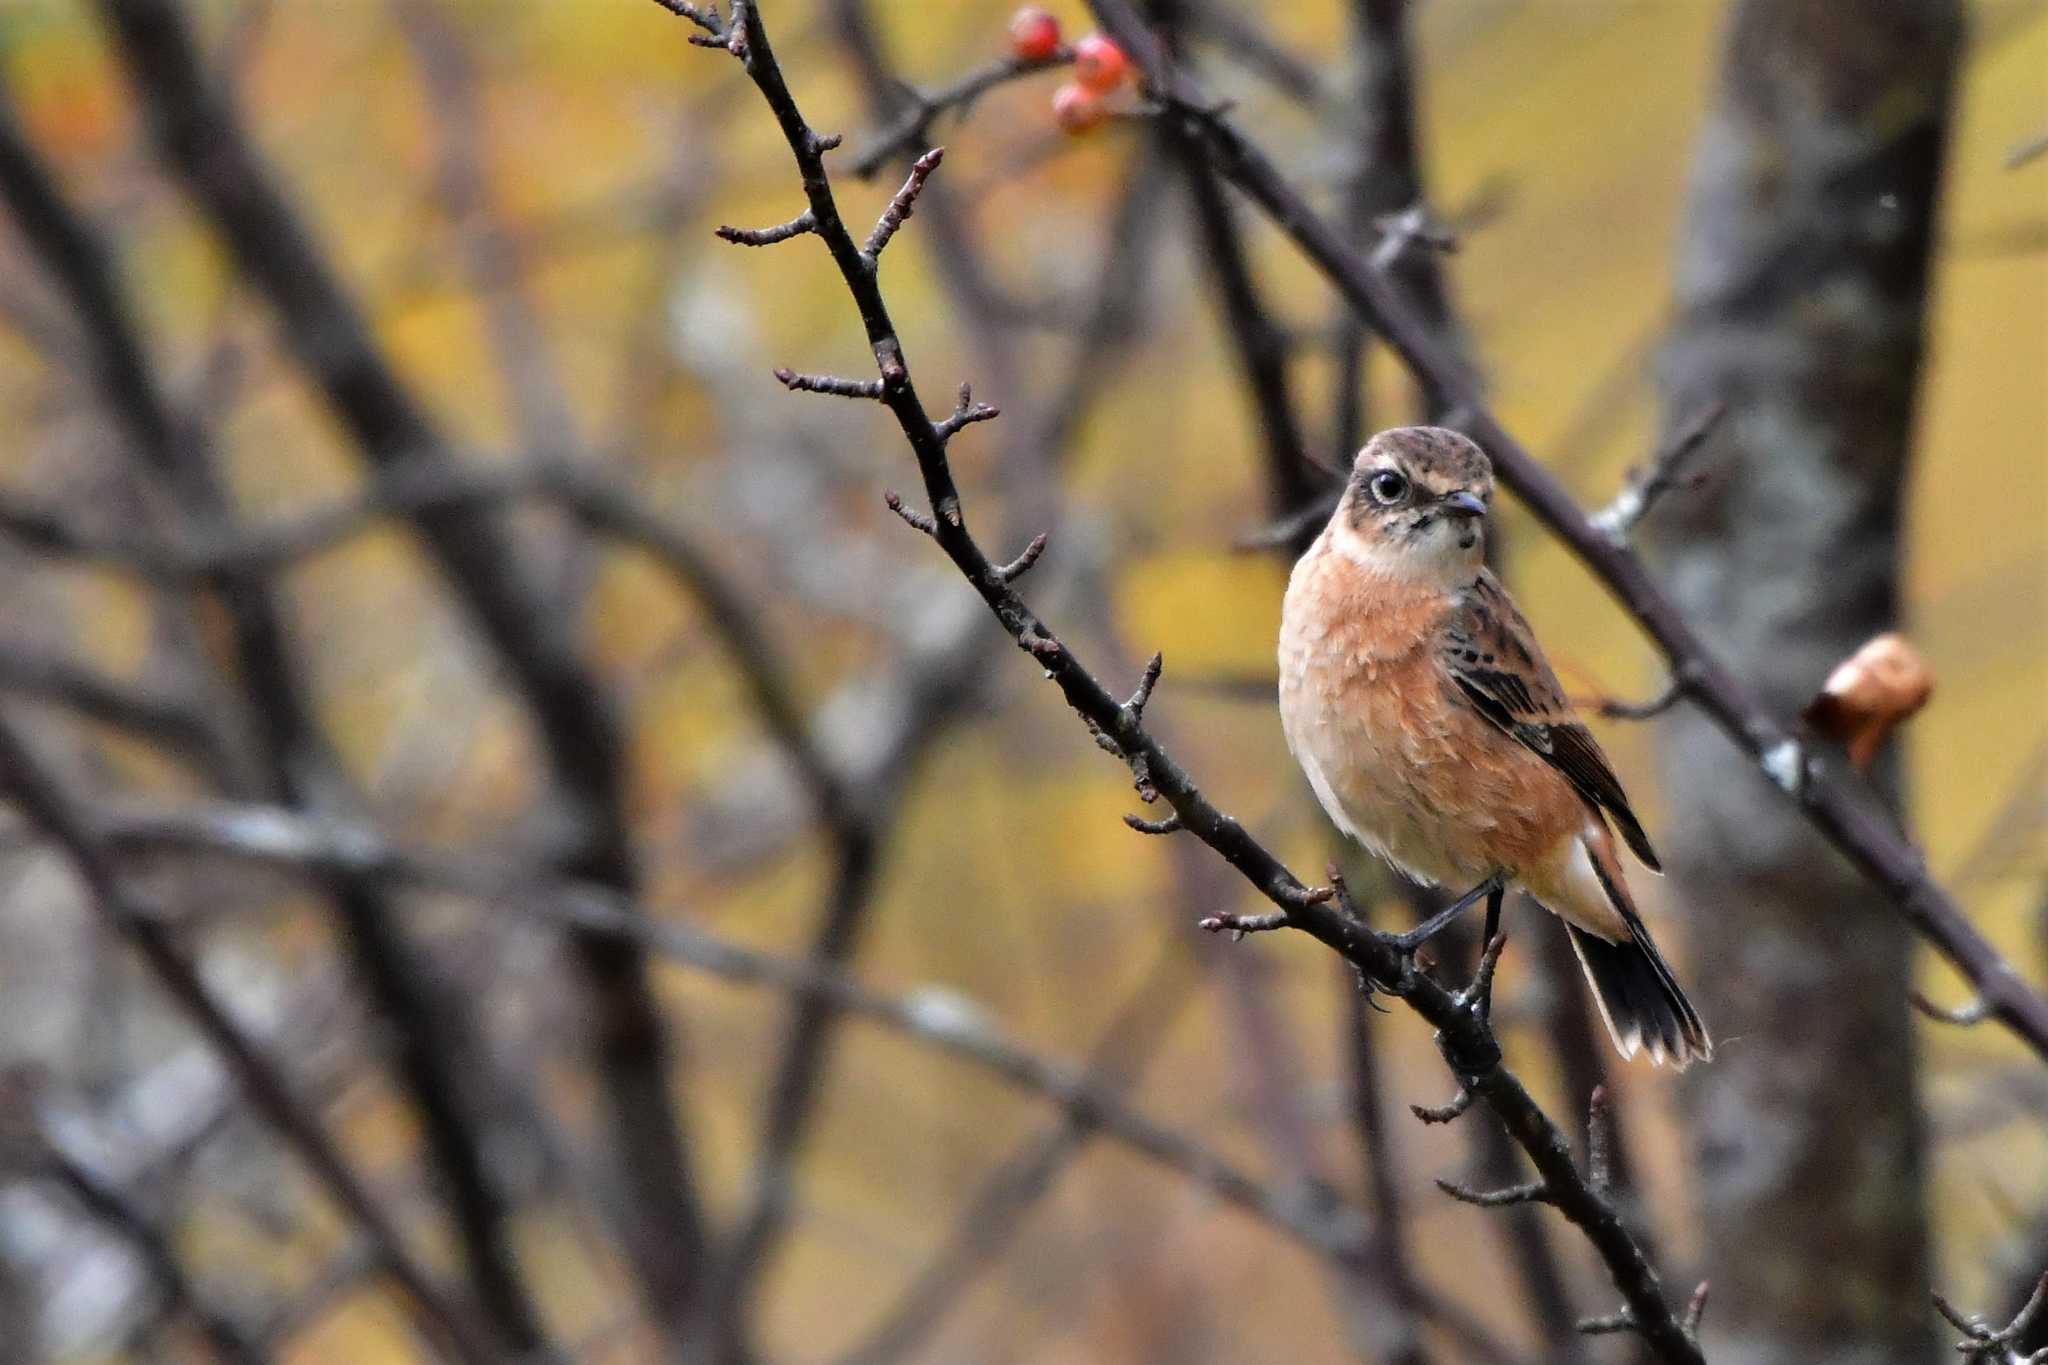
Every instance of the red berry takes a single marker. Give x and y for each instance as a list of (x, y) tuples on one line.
[(1077, 109), (1099, 63), (1034, 34)]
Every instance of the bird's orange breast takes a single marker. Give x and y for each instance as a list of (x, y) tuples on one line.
[(1397, 757)]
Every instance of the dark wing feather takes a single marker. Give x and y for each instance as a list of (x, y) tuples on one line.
[(1492, 656)]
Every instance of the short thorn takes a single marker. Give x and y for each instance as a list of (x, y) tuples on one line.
[(1535, 1192), (900, 205), (829, 383), (1607, 1325), (769, 236), (1240, 925), (965, 412), (1965, 1015), (1444, 1113), (1018, 567), (1149, 680), (1599, 1138), (1171, 824), (913, 518), (1695, 1309), (1482, 980)]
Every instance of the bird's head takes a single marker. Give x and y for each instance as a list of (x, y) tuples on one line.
[(1415, 507)]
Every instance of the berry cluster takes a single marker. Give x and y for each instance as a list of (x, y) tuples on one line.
[(1099, 67)]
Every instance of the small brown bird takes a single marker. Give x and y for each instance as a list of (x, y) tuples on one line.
[(1416, 699)]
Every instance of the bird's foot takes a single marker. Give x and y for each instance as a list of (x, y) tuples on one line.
[(1491, 891)]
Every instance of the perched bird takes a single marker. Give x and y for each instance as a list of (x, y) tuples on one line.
[(1433, 731)]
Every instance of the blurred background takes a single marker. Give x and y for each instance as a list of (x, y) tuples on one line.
[(694, 663)]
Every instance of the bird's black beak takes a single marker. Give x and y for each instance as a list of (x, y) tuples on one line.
[(1464, 504)]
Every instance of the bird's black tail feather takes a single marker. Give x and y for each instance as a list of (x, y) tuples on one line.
[(1641, 1000)]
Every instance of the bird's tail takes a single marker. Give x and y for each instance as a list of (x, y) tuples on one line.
[(1640, 999)]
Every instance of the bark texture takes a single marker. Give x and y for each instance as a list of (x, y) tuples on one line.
[(1802, 294)]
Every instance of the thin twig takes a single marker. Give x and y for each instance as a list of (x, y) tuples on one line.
[(910, 127), (900, 205), (1618, 520), (1984, 1344), (767, 236), (1966, 1015)]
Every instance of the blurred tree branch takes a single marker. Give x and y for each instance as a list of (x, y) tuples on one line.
[(35, 788), (205, 146), (433, 1040), (934, 1016), (43, 1154)]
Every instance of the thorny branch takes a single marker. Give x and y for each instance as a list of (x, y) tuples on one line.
[(1463, 1035), (1838, 802)]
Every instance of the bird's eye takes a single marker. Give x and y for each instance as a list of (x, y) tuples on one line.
[(1388, 487)]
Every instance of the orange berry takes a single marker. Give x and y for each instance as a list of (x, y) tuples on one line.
[(1034, 34), (1077, 109), (1099, 63)]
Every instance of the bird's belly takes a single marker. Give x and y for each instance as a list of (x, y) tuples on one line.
[(1417, 778)]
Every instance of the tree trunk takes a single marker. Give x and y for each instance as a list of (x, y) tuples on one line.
[(1802, 291)]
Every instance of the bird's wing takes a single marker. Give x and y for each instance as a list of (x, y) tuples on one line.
[(1493, 657)]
